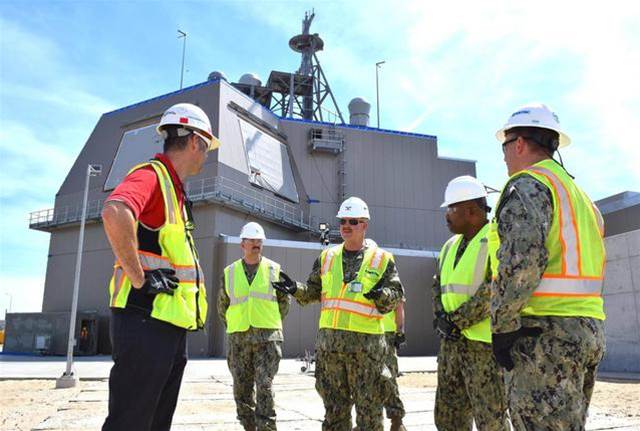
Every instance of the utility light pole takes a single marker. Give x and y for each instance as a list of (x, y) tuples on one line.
[(69, 379), (182, 36), (378, 65), (10, 303)]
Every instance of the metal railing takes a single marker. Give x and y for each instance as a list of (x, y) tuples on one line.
[(217, 189), (246, 198), (330, 116), (326, 139), (63, 215)]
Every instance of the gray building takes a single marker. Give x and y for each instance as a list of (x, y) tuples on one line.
[(621, 213), (288, 174)]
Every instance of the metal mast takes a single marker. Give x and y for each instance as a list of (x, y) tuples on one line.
[(308, 45)]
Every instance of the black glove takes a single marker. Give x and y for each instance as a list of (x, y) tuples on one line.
[(161, 280), (445, 328), (375, 292), (399, 340), (286, 285), (502, 344)]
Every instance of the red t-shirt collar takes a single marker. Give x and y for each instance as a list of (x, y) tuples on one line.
[(174, 175)]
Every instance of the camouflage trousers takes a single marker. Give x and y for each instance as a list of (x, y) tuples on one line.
[(392, 402), (345, 379), (551, 385), (254, 364), (470, 388)]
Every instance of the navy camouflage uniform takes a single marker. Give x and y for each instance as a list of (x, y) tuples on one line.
[(392, 404), (551, 384), (253, 357), (470, 383), (350, 365)]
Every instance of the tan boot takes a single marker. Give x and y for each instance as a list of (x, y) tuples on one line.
[(396, 424)]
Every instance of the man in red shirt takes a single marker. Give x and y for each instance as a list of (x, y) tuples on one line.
[(156, 273)]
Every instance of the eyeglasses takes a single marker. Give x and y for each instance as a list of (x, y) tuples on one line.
[(507, 142), (202, 142), (351, 221), (528, 138)]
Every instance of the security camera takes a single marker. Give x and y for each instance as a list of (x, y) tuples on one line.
[(324, 233)]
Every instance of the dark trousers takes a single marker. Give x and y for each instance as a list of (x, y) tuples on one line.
[(149, 358)]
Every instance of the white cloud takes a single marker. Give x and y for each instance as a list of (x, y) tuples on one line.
[(46, 115), (28, 160), (59, 94), (24, 50), (596, 105), (23, 293), (457, 70)]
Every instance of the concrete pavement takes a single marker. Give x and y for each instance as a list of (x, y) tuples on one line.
[(206, 400), (98, 367)]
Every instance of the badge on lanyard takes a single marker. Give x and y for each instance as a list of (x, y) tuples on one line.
[(355, 287)]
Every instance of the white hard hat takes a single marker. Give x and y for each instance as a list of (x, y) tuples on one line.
[(354, 208), (534, 115), (252, 230), (189, 118), (464, 188)]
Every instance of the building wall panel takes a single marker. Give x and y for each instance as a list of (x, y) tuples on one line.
[(622, 303)]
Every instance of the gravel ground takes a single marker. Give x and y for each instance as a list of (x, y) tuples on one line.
[(617, 398), (24, 404)]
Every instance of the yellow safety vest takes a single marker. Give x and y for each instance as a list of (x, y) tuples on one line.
[(458, 284), (572, 282), (344, 305), (389, 322), (187, 308), (252, 305)]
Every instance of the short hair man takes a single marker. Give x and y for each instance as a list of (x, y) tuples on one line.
[(356, 284), (157, 292), (547, 309), (470, 386), (252, 312)]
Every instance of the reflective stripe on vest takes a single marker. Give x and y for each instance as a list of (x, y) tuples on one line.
[(233, 298), (376, 261), (569, 287), (568, 226), (170, 204), (444, 251), (150, 261), (328, 261), (351, 307)]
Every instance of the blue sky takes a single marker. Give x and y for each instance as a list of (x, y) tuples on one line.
[(454, 69)]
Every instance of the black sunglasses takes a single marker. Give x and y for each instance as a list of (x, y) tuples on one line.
[(529, 138), (505, 143), (351, 221)]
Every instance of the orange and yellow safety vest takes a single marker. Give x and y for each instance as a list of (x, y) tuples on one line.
[(572, 282)]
